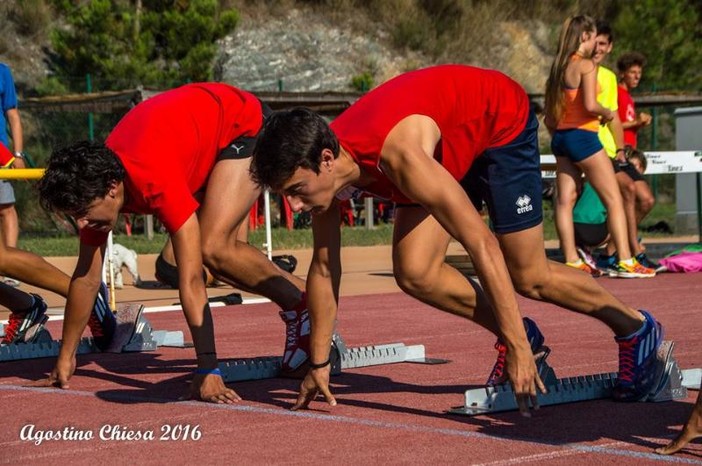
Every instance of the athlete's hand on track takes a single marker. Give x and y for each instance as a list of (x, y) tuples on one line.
[(691, 430), (316, 381), (211, 388), (522, 373), (59, 377)]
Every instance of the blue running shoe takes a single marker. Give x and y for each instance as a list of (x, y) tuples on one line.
[(606, 263), (102, 320), (637, 361), (536, 340), (644, 260), (21, 322)]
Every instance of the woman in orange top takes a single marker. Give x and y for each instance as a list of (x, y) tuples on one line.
[(573, 116)]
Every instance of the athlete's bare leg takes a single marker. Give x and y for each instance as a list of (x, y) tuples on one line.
[(419, 250), (534, 276), (568, 181), (229, 195), (599, 171), (32, 269)]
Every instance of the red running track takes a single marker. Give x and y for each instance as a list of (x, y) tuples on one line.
[(387, 414)]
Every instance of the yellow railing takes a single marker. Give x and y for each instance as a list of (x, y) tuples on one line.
[(22, 174)]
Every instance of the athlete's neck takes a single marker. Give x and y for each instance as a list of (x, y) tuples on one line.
[(349, 172)]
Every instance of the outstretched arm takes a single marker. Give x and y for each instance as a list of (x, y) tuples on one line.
[(82, 291), (323, 281), (407, 159), (207, 385)]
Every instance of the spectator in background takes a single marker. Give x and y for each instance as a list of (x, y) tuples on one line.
[(630, 67), (590, 215), (573, 117), (610, 134), (9, 116), (638, 198)]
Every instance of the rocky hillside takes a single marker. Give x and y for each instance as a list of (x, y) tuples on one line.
[(267, 53), (299, 48)]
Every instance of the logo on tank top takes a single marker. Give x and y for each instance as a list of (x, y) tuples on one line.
[(524, 204)]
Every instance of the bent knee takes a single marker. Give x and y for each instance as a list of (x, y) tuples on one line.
[(530, 283), (647, 203), (414, 283), (213, 254)]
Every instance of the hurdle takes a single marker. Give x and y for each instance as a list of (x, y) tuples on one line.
[(500, 398), (133, 333)]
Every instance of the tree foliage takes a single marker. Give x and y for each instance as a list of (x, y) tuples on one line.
[(669, 33), (140, 42)]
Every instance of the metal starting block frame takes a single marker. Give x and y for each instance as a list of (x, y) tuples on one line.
[(692, 378), (500, 398), (132, 334), (342, 357)]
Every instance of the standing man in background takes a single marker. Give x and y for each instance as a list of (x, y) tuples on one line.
[(9, 221), (612, 136), (630, 67)]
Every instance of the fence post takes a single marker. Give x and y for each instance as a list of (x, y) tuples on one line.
[(91, 126), (654, 143), (368, 208)]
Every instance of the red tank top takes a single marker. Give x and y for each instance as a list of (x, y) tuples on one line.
[(475, 109), (169, 145)]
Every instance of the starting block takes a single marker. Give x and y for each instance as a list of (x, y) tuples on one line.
[(132, 334), (500, 398), (342, 357), (692, 378)]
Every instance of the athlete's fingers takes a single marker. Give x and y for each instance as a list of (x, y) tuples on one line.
[(523, 405), (324, 389), (304, 399)]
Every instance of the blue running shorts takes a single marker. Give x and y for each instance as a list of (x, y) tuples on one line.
[(508, 179), (575, 144)]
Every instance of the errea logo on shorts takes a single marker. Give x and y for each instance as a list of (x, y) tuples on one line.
[(524, 204)]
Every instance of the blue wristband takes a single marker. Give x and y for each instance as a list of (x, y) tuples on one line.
[(214, 371)]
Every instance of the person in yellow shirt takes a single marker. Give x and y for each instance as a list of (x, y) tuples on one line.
[(612, 138)]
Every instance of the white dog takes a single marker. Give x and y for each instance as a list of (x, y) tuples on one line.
[(122, 257)]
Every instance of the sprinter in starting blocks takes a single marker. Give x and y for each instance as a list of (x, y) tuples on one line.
[(668, 385)]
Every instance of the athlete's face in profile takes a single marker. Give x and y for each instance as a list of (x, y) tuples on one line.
[(307, 191), (102, 213)]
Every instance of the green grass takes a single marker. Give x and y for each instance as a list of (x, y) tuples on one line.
[(281, 239), (297, 239)]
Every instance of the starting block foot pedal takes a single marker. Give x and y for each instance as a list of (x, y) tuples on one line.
[(669, 386), (126, 317), (501, 398)]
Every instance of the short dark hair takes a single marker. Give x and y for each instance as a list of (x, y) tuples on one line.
[(632, 153), (290, 139), (78, 174), (629, 59), (603, 29)]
